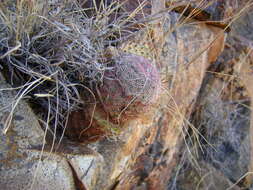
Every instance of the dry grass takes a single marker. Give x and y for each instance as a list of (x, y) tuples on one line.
[(56, 52)]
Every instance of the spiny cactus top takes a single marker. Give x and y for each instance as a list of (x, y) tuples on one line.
[(132, 85)]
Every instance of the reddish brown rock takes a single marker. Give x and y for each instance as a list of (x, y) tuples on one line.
[(163, 139), (84, 127)]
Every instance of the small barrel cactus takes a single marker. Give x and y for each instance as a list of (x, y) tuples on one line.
[(130, 88)]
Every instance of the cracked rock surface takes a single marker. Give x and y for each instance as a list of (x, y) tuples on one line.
[(24, 166)]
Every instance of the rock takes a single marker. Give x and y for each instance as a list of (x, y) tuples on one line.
[(54, 171), (117, 153), (86, 164), (244, 70), (146, 150), (227, 127), (203, 177), (87, 125), (24, 131), (18, 162), (243, 26), (24, 166), (223, 113), (218, 13)]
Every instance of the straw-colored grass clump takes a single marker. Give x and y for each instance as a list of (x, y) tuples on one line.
[(55, 53)]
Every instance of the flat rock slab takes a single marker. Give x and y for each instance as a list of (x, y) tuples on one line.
[(18, 163)]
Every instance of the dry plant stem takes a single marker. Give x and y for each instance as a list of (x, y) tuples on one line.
[(241, 178), (11, 51), (33, 85)]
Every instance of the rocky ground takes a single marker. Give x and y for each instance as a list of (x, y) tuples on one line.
[(196, 133)]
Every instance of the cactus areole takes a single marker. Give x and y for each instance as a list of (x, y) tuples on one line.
[(131, 87)]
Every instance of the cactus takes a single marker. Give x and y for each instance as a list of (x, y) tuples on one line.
[(131, 87)]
